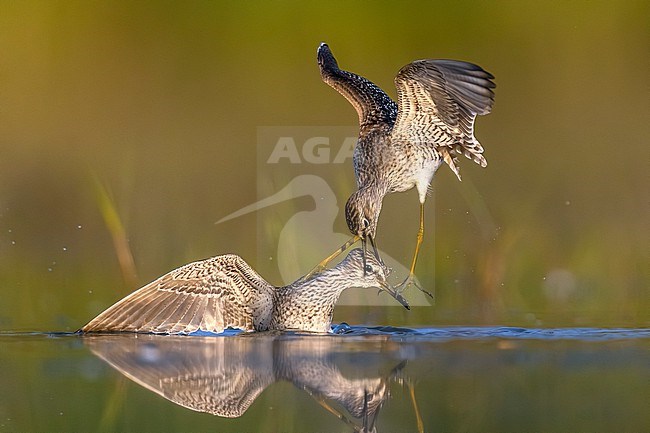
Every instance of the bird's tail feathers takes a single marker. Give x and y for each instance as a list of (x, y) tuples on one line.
[(451, 161), (473, 151)]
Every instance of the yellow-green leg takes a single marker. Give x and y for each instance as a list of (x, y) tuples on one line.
[(418, 417), (419, 240), (411, 278), (323, 264)]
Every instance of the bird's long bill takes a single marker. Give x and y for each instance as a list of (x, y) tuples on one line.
[(395, 294), (375, 250)]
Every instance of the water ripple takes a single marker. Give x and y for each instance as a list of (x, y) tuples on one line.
[(504, 332), (445, 333)]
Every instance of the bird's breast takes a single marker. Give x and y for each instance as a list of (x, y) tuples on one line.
[(412, 165), (303, 311)]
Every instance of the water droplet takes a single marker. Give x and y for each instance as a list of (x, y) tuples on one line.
[(79, 226), (49, 269), (65, 248), (13, 242), (90, 292), (567, 202)]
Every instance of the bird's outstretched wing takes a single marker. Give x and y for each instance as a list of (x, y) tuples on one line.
[(221, 376), (209, 295), (438, 103), (373, 105)]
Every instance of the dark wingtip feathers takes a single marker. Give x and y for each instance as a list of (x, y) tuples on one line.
[(467, 82), (326, 61)]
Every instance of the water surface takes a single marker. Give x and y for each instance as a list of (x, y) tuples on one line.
[(391, 379)]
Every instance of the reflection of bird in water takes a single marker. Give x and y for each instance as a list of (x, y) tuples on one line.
[(307, 235), (224, 376), (401, 145), (221, 292)]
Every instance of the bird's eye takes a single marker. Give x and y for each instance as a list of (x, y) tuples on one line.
[(368, 269)]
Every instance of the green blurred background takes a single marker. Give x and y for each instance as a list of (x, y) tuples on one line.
[(138, 121)]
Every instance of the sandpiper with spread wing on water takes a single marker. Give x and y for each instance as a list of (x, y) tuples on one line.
[(225, 292)]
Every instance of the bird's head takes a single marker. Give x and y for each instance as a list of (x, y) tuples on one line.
[(362, 213), (367, 271)]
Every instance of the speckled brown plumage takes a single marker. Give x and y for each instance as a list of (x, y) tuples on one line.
[(401, 145), (224, 292)]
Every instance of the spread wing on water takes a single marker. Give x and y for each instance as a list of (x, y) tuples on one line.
[(209, 295), (438, 102), (221, 376)]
